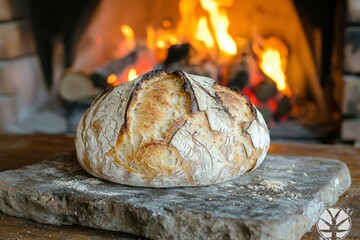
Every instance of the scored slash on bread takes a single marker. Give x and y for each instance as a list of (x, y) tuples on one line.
[(170, 130)]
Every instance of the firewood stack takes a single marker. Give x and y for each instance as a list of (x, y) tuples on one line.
[(20, 76)]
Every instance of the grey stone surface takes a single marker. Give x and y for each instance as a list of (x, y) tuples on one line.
[(280, 200)]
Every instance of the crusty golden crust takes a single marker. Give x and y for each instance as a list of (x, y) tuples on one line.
[(169, 130)]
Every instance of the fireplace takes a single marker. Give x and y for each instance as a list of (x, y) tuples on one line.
[(285, 55)]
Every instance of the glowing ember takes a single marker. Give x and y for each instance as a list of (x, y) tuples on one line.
[(220, 24), (166, 24), (160, 44), (111, 80), (165, 39), (173, 40), (132, 74), (203, 33), (272, 56)]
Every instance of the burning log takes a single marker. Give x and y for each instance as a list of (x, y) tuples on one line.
[(266, 113), (206, 68), (176, 53), (179, 56), (241, 69), (77, 86), (284, 106), (265, 90), (116, 66), (247, 72), (240, 78)]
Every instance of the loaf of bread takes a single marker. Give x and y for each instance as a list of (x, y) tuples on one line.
[(170, 130)]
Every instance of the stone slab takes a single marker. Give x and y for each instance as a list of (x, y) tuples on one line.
[(281, 199)]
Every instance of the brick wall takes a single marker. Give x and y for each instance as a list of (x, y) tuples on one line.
[(350, 126), (22, 88)]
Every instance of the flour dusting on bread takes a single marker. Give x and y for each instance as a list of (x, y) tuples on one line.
[(170, 130)]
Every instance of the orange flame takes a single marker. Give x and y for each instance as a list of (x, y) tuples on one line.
[(220, 24), (129, 36), (203, 33), (132, 74), (271, 65), (150, 37), (161, 44), (112, 80), (129, 75), (272, 61), (186, 26)]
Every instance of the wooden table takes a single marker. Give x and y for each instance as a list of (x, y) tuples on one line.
[(21, 150)]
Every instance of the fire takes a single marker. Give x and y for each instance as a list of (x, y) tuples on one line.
[(132, 74), (150, 37), (160, 44), (271, 65), (111, 79), (272, 61), (166, 23), (203, 33), (129, 36), (209, 27), (186, 26), (211, 30), (220, 24), (114, 80)]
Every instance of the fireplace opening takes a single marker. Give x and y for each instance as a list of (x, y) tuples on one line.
[(284, 55)]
